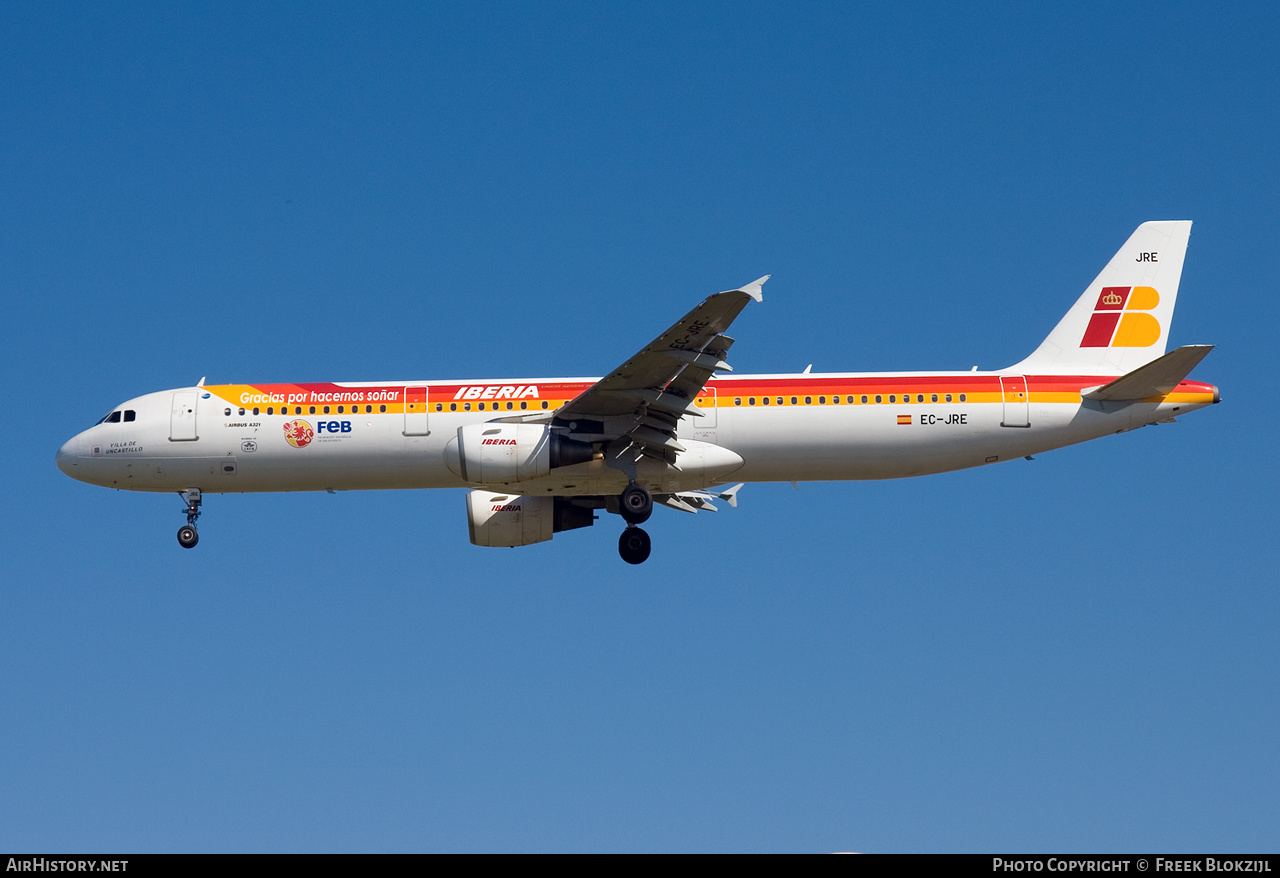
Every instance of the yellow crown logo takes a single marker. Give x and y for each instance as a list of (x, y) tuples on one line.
[(1112, 299)]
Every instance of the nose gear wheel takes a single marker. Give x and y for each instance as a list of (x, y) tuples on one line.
[(187, 535)]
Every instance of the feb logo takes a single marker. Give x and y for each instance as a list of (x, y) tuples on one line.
[(298, 433)]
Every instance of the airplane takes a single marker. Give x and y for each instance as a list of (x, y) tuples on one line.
[(542, 456)]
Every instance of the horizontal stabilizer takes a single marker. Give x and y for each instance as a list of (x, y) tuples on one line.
[(1157, 378)]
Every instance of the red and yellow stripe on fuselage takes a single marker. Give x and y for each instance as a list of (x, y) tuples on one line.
[(785, 427), (515, 396)]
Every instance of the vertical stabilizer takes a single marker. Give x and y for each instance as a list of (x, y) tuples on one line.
[(1122, 320)]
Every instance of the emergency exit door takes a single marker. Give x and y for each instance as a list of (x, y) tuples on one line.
[(1017, 404), (415, 411)]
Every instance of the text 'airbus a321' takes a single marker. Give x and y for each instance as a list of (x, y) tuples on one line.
[(542, 455)]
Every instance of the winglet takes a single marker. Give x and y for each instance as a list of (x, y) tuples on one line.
[(731, 495), (753, 289)]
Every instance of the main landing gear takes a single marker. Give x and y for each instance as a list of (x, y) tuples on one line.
[(634, 545), (636, 505), (187, 535)]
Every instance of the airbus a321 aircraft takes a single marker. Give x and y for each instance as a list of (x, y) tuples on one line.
[(542, 455)]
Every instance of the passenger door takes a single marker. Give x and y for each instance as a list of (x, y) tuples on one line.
[(182, 416)]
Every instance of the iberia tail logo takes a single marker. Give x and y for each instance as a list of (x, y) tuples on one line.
[(1120, 319), (298, 433)]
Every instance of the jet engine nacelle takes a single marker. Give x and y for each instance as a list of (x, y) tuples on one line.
[(503, 454), (520, 520)]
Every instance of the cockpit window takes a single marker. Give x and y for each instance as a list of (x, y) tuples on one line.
[(115, 417)]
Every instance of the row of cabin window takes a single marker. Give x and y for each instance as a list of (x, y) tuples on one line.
[(850, 400), (297, 410), (114, 417), (493, 406), (355, 409)]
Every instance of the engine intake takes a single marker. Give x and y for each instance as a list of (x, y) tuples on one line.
[(510, 520)]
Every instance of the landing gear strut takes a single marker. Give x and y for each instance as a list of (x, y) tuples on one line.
[(636, 505), (634, 545), (187, 536)]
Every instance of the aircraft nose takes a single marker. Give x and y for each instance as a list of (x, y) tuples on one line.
[(68, 455)]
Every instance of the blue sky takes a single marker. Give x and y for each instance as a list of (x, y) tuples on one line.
[(1074, 653)]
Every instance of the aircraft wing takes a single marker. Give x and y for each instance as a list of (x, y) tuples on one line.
[(646, 396)]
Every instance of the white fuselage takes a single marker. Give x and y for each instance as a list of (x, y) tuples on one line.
[(754, 428)]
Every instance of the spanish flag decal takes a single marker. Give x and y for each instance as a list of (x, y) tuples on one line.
[(904, 419)]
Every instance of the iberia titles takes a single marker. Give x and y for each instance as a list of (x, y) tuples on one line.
[(504, 391)]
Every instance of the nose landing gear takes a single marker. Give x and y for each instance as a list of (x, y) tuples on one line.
[(636, 505), (187, 535)]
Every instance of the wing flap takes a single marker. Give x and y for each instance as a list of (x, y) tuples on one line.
[(698, 501), (665, 402)]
